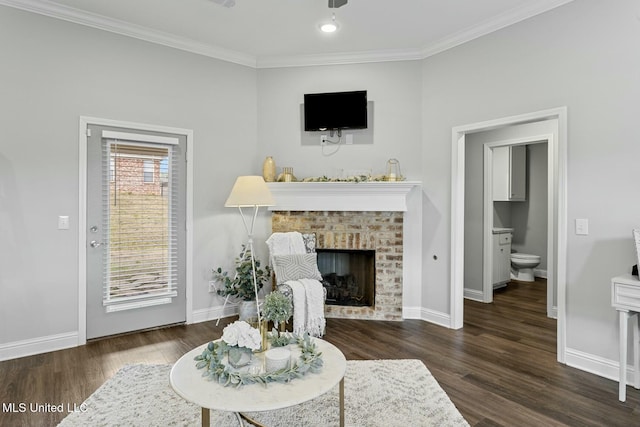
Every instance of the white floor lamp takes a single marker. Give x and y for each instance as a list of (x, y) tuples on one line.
[(250, 192)]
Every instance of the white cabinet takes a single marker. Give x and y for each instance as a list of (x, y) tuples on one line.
[(510, 173), (501, 258)]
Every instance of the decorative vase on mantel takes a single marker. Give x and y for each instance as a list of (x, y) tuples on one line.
[(269, 169)]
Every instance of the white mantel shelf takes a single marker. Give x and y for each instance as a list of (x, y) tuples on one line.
[(341, 196)]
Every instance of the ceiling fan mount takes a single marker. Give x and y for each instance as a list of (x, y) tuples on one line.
[(334, 4)]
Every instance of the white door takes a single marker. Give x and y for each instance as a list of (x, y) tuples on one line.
[(136, 233)]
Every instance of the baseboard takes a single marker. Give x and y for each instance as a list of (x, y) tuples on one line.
[(411, 313), (474, 294), (16, 349), (431, 316), (596, 365), (540, 273), (214, 313)]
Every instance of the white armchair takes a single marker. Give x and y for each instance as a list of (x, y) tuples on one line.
[(296, 275)]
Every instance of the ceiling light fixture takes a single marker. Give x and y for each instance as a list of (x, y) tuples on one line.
[(329, 27), (332, 26)]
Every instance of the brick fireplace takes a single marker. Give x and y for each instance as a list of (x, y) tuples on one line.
[(348, 230), (352, 217)]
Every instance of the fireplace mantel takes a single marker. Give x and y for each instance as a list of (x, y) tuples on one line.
[(341, 196)]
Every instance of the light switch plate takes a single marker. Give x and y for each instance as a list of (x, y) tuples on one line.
[(582, 226), (63, 222)]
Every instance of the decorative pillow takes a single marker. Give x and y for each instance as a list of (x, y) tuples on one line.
[(296, 267), (309, 240)]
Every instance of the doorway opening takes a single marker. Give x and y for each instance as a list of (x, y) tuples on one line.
[(557, 153)]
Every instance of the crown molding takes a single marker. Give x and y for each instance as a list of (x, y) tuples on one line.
[(496, 23), (339, 58), (128, 29), (124, 28)]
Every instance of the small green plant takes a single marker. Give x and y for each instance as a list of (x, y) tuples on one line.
[(241, 284), (277, 308), (278, 339)]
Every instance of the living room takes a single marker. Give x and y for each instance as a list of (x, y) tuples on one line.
[(575, 56)]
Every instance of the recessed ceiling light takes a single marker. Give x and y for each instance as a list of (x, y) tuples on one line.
[(331, 26)]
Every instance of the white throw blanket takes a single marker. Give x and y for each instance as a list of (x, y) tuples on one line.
[(308, 300), (290, 243), (308, 294)]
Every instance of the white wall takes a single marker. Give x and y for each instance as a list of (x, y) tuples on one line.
[(529, 218), (577, 55), (393, 87), (52, 73)]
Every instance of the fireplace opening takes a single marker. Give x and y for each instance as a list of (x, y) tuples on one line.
[(349, 276)]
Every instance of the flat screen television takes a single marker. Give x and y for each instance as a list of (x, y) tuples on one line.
[(335, 110)]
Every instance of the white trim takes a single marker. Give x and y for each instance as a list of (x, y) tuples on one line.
[(340, 58), (139, 137), (112, 308), (597, 365), (496, 23), (559, 167), (128, 29), (39, 345), (474, 295), (215, 313), (436, 317), (537, 272), (456, 303), (85, 121), (341, 196)]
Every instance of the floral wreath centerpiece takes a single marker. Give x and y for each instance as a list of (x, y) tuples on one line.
[(238, 342)]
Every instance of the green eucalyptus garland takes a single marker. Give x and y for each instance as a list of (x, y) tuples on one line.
[(212, 358)]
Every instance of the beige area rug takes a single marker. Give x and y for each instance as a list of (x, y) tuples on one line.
[(377, 393)]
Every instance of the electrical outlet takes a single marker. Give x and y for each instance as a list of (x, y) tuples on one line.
[(212, 287)]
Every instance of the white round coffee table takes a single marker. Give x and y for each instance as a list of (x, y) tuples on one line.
[(187, 381)]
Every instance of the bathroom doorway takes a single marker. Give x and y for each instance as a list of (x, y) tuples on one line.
[(557, 161), (529, 218)]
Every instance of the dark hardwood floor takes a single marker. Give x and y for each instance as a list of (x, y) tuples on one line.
[(499, 370)]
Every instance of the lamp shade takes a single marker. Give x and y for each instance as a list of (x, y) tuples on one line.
[(249, 191)]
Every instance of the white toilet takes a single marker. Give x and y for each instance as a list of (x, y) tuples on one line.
[(522, 266)]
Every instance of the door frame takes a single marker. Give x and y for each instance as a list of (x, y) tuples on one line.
[(85, 121), (558, 164), (487, 201)]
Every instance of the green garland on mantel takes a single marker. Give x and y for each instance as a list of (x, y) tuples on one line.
[(212, 358), (354, 178)]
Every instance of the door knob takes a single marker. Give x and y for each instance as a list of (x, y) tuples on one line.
[(95, 244)]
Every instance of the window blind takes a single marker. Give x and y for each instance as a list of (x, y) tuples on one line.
[(140, 223)]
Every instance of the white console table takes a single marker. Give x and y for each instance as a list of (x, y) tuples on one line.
[(625, 297)]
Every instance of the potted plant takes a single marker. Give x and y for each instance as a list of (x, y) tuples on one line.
[(240, 285), (278, 309)]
